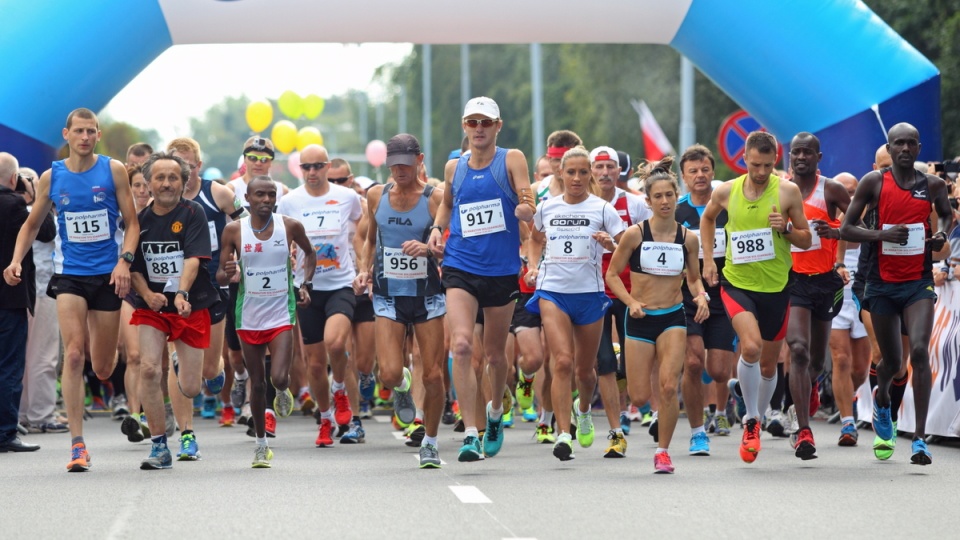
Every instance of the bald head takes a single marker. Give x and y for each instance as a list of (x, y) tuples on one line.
[(313, 153), (902, 130), (8, 170), (882, 158), (848, 181)]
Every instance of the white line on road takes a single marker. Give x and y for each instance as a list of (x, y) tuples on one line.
[(470, 495), (383, 419)]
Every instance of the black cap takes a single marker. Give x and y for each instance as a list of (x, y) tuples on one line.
[(624, 166), (402, 149)]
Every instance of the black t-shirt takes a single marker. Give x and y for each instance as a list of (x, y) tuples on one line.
[(165, 243)]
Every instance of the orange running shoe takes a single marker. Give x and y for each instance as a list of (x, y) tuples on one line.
[(805, 449), (325, 437), (270, 423), (341, 405), (79, 459), (750, 444), (227, 416)]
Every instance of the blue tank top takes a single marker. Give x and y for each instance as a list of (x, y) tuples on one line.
[(394, 273), (87, 215), (484, 233), (216, 221)]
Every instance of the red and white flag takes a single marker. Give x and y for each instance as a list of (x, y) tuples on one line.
[(655, 143)]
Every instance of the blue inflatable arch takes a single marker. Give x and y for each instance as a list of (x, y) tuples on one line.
[(831, 67)]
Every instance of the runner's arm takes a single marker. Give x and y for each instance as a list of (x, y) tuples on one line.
[(296, 232)]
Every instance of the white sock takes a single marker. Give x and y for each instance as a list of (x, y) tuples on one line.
[(261, 442), (337, 386), (846, 419), (429, 440), (241, 376), (471, 431), (660, 451), (696, 430), (327, 414), (405, 383), (546, 418), (749, 375)]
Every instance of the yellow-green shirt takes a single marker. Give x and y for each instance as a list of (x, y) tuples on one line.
[(743, 215)]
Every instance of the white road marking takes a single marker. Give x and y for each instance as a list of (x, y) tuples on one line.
[(470, 495), (383, 419)]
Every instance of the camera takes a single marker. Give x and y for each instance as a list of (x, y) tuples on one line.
[(948, 167)]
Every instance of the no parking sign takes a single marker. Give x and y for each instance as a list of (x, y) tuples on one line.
[(732, 137)]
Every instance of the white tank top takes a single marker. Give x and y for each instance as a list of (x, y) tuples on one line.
[(266, 298)]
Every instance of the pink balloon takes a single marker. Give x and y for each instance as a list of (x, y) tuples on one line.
[(293, 165), (376, 152)]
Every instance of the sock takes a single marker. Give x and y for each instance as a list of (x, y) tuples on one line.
[(356, 420), (776, 402), (303, 390), (897, 388), (159, 439), (749, 376), (625, 414), (337, 386), (405, 382), (546, 418), (712, 408), (471, 431), (660, 451), (327, 415), (581, 413), (241, 377), (261, 442), (846, 419), (429, 440), (767, 387), (419, 415), (77, 440), (495, 414), (696, 430), (619, 431), (186, 432)]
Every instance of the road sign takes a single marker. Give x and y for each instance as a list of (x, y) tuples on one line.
[(732, 137)]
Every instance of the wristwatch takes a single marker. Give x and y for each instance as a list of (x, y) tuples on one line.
[(185, 294), (789, 228), (127, 256), (308, 285)]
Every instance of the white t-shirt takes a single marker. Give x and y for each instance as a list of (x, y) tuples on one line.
[(571, 262), (327, 222)]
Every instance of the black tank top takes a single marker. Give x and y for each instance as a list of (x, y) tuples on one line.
[(635, 265)]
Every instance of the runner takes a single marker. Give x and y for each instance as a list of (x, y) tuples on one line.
[(406, 285), (764, 217), (897, 245), (174, 292), (657, 252), (327, 211), (572, 231), (485, 193), (710, 343), (90, 193), (816, 294)]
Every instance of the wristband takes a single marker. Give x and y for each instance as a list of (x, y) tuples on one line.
[(185, 294), (437, 227), (839, 265)]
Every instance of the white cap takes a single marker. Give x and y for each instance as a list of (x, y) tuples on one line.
[(604, 153), (482, 105), (364, 182)]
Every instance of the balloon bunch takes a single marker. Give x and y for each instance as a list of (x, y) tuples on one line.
[(285, 135)]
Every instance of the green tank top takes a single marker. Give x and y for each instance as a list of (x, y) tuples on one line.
[(757, 258)]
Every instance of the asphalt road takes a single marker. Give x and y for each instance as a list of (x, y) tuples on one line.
[(375, 490)]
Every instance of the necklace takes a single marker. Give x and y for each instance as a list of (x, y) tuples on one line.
[(267, 224)]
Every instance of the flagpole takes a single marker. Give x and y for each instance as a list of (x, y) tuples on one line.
[(688, 127)]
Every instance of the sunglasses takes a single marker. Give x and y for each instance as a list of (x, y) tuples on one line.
[(473, 122), (339, 180), (255, 158), (318, 165)]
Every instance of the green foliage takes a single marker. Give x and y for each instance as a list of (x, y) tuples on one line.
[(118, 136)]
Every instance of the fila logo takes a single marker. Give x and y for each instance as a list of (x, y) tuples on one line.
[(399, 221)]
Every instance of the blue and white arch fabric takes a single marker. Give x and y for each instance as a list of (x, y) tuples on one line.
[(818, 65)]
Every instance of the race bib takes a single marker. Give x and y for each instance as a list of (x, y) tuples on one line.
[(814, 243), (719, 243), (913, 246), (84, 227), (266, 282), (165, 268), (661, 258), (214, 243), (567, 248), (397, 265), (752, 246), (322, 222), (479, 218)]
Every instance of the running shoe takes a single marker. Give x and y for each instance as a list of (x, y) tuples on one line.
[(708, 421), (97, 404), (159, 458), (544, 434), (262, 456), (238, 393), (882, 424), (79, 459), (791, 424), (384, 396), (814, 398), (775, 423), (209, 409), (215, 385), (700, 444), (507, 403), (144, 428), (307, 404), (449, 417), (750, 444), (806, 449), (921, 456), (662, 464), (646, 419), (585, 432), (429, 457), (227, 416), (563, 449), (492, 434), (722, 425), (738, 397), (403, 406), (325, 437), (524, 392), (245, 414), (189, 450), (269, 423), (365, 411), (355, 434), (341, 408), (848, 434), (120, 408), (171, 420), (625, 423), (368, 385), (415, 433), (471, 450), (618, 445), (508, 418), (883, 448), (283, 403), (654, 429), (530, 415), (458, 427), (48, 427)]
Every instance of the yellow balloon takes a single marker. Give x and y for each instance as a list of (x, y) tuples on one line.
[(313, 106), (284, 135), (259, 115), (291, 104), (308, 136)]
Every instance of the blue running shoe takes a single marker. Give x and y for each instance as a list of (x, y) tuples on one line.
[(215, 385), (492, 435), (738, 397), (209, 409), (882, 424), (921, 456), (470, 451), (354, 435), (160, 458), (625, 423), (530, 415), (368, 384), (700, 444), (848, 434), (189, 450)]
